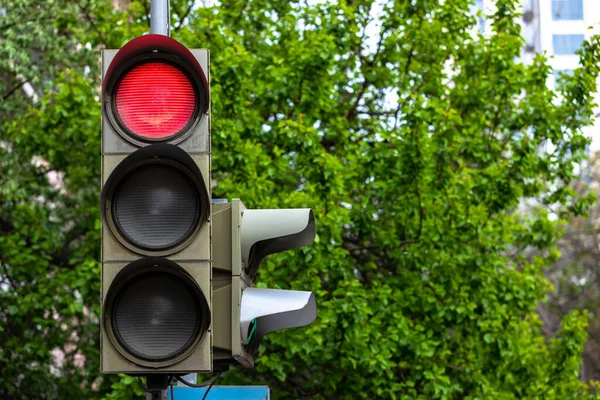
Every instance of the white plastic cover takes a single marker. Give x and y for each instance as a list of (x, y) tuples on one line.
[(264, 232), (275, 309)]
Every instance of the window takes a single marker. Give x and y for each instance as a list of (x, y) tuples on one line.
[(567, 9), (566, 44)]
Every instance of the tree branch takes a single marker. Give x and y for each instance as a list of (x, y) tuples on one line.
[(185, 15), (366, 83), (421, 217), (84, 10), (13, 90)]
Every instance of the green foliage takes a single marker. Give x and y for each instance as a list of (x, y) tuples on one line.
[(413, 139)]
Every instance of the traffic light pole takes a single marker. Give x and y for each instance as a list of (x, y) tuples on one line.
[(162, 395), (159, 17), (159, 24), (155, 385)]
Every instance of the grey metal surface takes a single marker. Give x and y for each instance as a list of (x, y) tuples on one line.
[(162, 395), (159, 17), (275, 309)]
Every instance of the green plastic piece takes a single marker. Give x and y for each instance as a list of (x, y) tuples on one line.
[(252, 333)]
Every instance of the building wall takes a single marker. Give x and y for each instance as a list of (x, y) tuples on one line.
[(539, 28), (550, 27), (545, 33)]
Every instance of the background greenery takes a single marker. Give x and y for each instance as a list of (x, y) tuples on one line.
[(416, 142)]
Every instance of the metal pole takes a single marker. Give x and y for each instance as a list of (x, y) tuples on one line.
[(162, 395), (160, 24), (156, 387), (159, 17)]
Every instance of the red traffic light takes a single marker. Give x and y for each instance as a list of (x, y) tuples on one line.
[(155, 100), (154, 90), (155, 208)]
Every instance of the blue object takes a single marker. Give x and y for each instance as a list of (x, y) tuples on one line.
[(222, 393), (565, 45), (567, 10)]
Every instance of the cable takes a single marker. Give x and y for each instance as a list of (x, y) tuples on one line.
[(209, 382), (209, 387), (141, 383)]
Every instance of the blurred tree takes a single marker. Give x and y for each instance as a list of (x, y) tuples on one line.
[(48, 194), (412, 138), (575, 275)]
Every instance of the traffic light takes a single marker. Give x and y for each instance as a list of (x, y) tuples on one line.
[(156, 208), (242, 315), (177, 271)]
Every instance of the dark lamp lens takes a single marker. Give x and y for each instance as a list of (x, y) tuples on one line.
[(156, 207), (156, 316)]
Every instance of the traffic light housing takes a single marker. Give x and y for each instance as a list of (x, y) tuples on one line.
[(155, 205), (242, 315), (177, 271)]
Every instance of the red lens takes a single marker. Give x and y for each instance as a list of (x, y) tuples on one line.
[(155, 100)]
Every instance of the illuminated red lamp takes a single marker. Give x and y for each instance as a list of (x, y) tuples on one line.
[(155, 100), (154, 91)]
